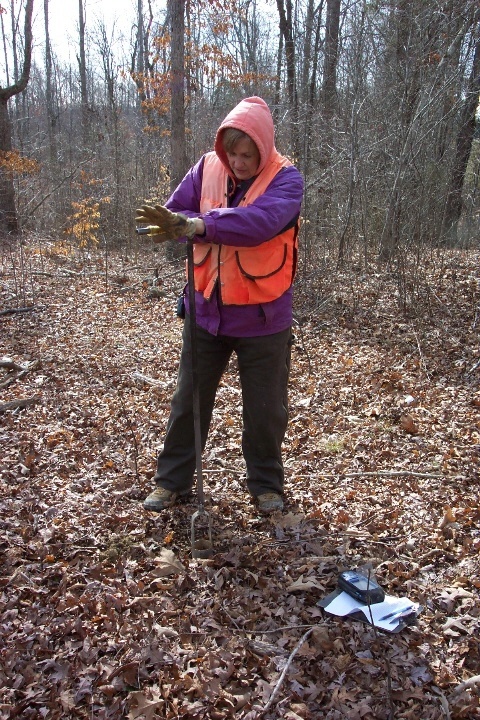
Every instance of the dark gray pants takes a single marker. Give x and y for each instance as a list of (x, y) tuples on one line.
[(264, 365)]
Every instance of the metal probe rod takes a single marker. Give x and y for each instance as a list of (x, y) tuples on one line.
[(149, 230)]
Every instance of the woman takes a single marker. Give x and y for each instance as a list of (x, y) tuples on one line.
[(241, 203)]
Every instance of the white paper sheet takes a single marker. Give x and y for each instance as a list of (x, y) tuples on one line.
[(386, 614)]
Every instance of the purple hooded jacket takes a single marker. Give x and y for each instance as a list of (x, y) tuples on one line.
[(245, 226)]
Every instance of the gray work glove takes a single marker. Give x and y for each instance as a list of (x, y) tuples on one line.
[(168, 225)]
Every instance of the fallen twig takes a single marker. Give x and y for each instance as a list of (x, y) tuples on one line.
[(132, 432), (276, 630), (304, 347), (387, 473), (9, 364), (21, 369), (79, 551), (422, 359), (285, 670), (19, 403), (477, 364), (12, 311), (443, 702), (147, 380), (434, 552), (264, 648), (471, 682)]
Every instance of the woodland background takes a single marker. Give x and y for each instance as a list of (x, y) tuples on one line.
[(103, 612), (375, 101)]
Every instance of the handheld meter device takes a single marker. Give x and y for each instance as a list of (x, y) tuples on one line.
[(360, 587)]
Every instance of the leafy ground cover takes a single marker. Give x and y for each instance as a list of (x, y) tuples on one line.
[(103, 611)]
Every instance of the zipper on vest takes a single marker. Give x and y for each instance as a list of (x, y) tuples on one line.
[(219, 275)]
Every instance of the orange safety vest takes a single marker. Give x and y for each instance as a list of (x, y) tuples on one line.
[(246, 275)]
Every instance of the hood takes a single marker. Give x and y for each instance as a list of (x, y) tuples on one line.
[(253, 116)]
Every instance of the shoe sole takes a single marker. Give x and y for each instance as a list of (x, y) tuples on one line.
[(277, 508), (157, 508)]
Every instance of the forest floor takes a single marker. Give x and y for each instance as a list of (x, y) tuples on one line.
[(103, 611)]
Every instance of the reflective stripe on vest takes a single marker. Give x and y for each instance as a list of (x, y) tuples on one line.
[(246, 276)]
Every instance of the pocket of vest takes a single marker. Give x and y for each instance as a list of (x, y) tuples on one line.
[(252, 263), (201, 254)]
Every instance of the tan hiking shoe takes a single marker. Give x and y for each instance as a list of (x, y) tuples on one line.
[(160, 499), (269, 502)]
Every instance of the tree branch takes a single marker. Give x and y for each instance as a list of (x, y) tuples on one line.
[(19, 403), (285, 670)]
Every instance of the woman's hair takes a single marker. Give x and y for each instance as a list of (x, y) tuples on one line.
[(231, 136)]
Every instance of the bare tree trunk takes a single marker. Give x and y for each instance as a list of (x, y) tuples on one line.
[(5, 54), (286, 29), (137, 69), (140, 66), (278, 80), (356, 84), (326, 156), (49, 89), (14, 30), (307, 53), (8, 210), (329, 89), (405, 61), (112, 116), (178, 150), (316, 53), (82, 67), (309, 73), (466, 132)]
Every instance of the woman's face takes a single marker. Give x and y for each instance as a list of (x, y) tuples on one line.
[(244, 159)]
